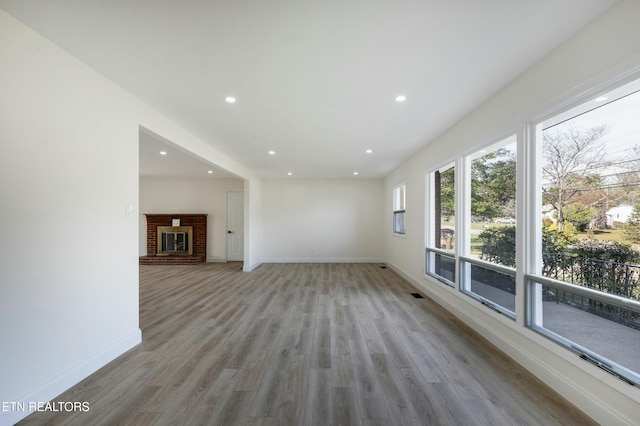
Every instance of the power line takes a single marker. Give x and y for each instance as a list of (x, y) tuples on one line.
[(607, 165), (602, 188), (621, 173)]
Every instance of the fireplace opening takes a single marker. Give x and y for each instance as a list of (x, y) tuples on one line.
[(175, 240)]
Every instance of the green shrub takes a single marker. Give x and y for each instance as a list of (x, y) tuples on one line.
[(499, 245), (612, 251), (569, 230), (607, 266), (578, 215), (554, 242)]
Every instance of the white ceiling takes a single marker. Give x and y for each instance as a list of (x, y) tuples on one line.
[(315, 81), (175, 162)]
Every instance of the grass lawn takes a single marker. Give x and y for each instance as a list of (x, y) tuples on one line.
[(598, 234), (604, 234), (476, 229), (616, 235)]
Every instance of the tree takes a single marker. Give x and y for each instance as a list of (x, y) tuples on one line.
[(444, 186), (628, 182), (447, 193), (579, 215), (570, 157), (631, 229), (554, 247), (493, 184)]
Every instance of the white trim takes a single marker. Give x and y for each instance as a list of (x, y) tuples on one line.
[(216, 260), (323, 260), (249, 268), (404, 194), (462, 212), (562, 374), (429, 200), (606, 82), (494, 142), (54, 387), (396, 208)]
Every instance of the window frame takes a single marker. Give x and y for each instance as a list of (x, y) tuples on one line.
[(528, 132), (399, 207), (465, 260), (531, 271), (434, 254), (528, 246)]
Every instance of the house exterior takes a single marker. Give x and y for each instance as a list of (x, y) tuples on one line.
[(618, 215), (549, 213)]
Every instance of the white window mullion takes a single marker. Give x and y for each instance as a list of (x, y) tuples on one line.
[(429, 199), (463, 217), (528, 232)]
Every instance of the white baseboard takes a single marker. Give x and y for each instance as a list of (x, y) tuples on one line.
[(69, 378), (312, 260), (249, 268), (216, 260), (601, 396), (322, 260)]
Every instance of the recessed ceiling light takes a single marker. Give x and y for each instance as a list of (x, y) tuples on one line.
[(230, 99), (210, 172), (355, 173), (401, 98), (163, 152), (369, 151), (289, 174), (272, 152), (601, 99)]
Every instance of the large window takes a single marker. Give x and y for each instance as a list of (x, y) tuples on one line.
[(488, 267), (585, 291), (440, 259), (564, 260), (399, 200)]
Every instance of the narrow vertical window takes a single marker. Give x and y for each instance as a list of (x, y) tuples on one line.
[(445, 209), (440, 258), (398, 209), (488, 269)]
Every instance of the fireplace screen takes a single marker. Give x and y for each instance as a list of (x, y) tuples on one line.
[(175, 240)]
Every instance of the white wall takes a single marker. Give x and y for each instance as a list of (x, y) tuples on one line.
[(253, 225), (68, 172), (608, 47), (323, 220), (68, 169), (181, 195), (163, 128)]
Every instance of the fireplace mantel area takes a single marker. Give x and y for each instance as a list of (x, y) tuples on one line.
[(176, 239)]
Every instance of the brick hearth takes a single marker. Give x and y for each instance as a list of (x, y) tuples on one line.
[(199, 224)]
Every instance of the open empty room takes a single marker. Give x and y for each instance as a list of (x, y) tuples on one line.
[(324, 213)]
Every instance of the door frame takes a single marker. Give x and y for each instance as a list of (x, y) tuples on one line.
[(241, 257)]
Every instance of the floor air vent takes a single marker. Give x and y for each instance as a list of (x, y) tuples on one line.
[(417, 295)]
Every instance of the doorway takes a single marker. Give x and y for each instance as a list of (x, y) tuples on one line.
[(235, 226)]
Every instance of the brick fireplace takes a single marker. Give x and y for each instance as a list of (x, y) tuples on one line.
[(176, 239)]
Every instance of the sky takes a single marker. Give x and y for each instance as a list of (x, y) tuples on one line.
[(622, 118)]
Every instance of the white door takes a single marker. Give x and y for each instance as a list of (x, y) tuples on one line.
[(235, 226)]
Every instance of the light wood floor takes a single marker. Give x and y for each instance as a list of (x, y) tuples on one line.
[(305, 344)]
